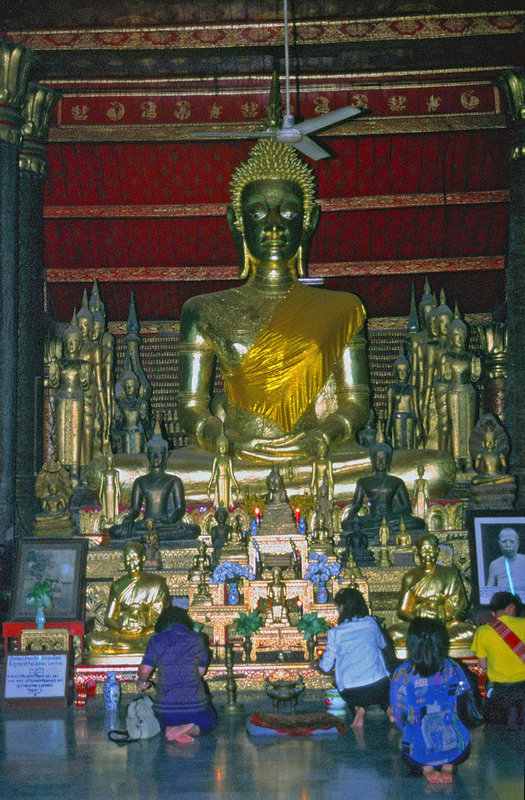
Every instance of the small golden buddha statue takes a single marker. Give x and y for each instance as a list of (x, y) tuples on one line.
[(109, 492), (201, 565), (235, 545), (53, 489), (460, 370), (277, 597), (432, 590), (134, 604), (490, 462), (322, 473), (403, 553), (404, 429), (223, 483), (71, 377), (321, 541), (420, 494), (491, 486)]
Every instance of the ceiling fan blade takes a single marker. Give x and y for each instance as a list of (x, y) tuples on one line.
[(230, 134), (332, 118), (309, 148)]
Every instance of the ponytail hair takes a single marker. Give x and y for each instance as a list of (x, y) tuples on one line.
[(427, 645)]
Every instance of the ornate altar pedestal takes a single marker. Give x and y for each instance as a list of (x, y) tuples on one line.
[(379, 585)]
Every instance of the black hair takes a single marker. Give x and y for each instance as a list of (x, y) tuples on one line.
[(352, 602), (427, 645), (173, 615), (501, 600)]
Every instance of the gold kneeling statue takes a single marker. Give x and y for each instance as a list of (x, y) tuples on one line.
[(432, 590), (134, 604), (292, 357)]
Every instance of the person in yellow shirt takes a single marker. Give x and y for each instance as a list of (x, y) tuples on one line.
[(500, 648)]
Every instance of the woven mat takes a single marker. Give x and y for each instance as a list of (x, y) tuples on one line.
[(298, 724)]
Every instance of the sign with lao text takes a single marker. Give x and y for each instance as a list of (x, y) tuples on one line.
[(36, 678)]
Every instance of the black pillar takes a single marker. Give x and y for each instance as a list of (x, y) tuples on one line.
[(32, 163), (512, 84), (14, 67)]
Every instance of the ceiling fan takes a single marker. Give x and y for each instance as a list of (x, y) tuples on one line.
[(285, 129)]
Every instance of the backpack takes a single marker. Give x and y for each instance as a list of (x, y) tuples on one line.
[(141, 722)]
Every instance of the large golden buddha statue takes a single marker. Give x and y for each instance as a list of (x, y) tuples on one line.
[(292, 356)]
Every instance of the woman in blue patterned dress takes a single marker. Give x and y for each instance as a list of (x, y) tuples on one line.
[(423, 694)]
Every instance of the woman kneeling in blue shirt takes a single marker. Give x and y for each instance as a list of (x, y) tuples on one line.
[(180, 657), (355, 647)]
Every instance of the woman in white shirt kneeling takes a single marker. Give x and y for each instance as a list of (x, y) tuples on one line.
[(355, 646)]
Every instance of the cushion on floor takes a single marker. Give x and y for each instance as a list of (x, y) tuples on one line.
[(318, 722)]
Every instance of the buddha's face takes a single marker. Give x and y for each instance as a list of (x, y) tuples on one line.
[(85, 324), (380, 460), (508, 542), (130, 387), (444, 321), (489, 441), (457, 338), (272, 213), (402, 372), (428, 552), (97, 330), (433, 325), (133, 560), (73, 342), (157, 455)]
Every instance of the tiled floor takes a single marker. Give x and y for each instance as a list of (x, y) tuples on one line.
[(66, 754)]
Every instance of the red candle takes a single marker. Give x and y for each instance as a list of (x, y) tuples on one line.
[(297, 515), (257, 512)]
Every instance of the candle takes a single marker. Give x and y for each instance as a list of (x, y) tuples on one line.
[(297, 515), (300, 607), (257, 512)]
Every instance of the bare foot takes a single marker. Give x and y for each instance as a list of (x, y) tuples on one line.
[(447, 773), (177, 732), (390, 714), (358, 718), (432, 775)]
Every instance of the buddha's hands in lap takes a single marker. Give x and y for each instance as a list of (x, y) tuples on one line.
[(299, 445)]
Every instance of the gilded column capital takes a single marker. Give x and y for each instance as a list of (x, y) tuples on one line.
[(16, 61), (36, 114), (512, 85)]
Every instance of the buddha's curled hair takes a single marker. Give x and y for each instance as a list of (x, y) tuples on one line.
[(271, 159)]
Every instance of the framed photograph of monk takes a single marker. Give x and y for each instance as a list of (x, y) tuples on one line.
[(61, 561), (497, 554)]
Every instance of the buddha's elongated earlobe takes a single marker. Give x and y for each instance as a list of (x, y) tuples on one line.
[(245, 267), (299, 263)]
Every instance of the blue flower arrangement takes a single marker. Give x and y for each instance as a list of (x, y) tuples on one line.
[(231, 572), (319, 569)]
